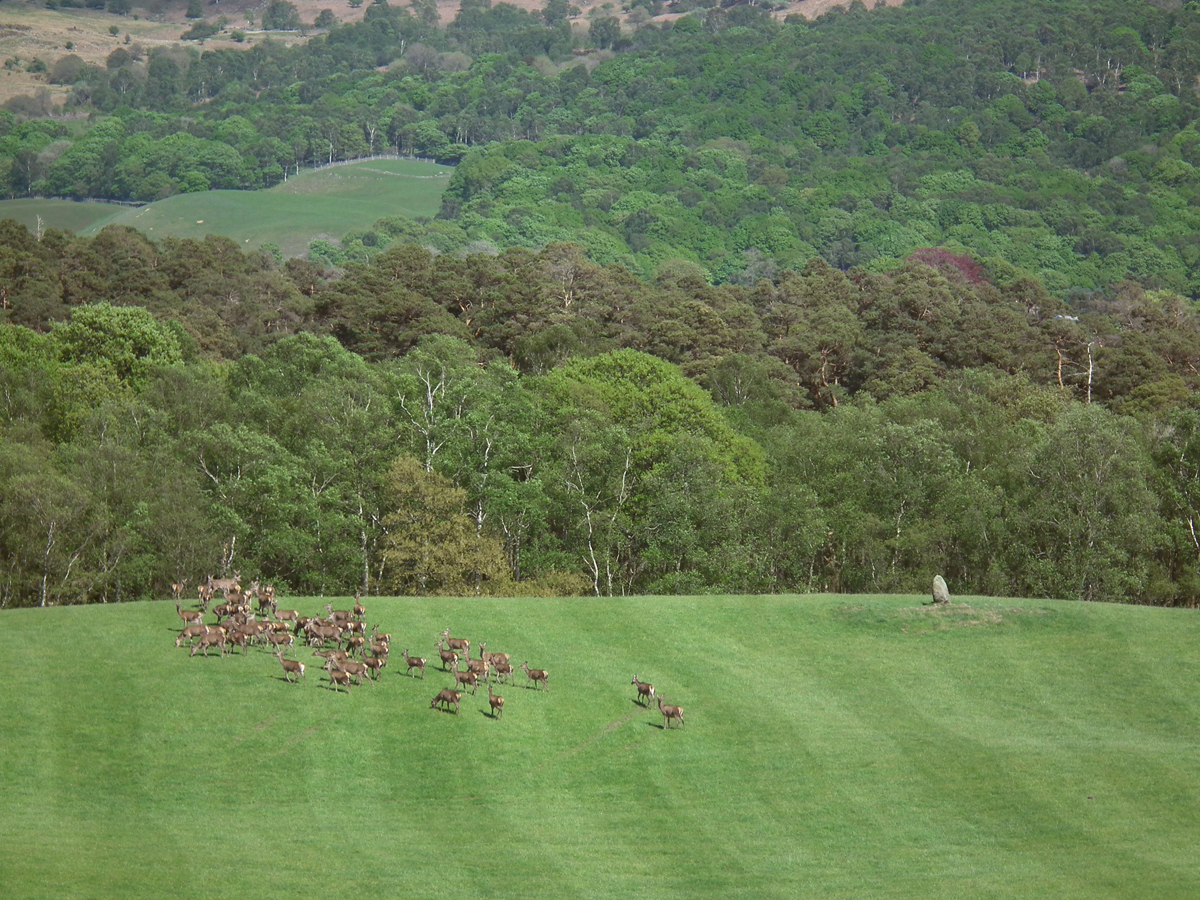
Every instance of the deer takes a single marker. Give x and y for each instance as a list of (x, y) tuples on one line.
[(415, 662), (669, 713), (281, 640), (497, 703), (645, 691), (355, 643), (266, 602), (479, 667), (375, 664), (225, 584), (380, 648), (191, 616), (535, 675), (237, 639), (321, 633), (351, 667), (446, 696), (189, 632), (212, 637), (457, 643), (337, 677), (360, 611), (290, 666), (449, 657), (503, 669), (492, 658), (464, 678), (204, 595), (177, 589), (338, 616), (287, 615)]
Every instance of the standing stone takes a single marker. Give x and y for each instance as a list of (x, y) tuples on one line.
[(941, 593)]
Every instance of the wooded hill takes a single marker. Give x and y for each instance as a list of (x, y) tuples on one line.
[(1053, 138), (537, 423)]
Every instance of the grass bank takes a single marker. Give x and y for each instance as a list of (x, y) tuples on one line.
[(834, 747)]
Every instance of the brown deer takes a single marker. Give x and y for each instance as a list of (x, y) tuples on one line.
[(225, 584), (287, 615), (351, 667), (492, 658), (669, 713), (189, 632), (177, 589), (478, 666), (415, 662), (319, 633), (535, 675), (457, 643), (503, 670), (190, 616), (449, 657), (446, 696), (497, 703), (464, 678), (337, 677), (237, 639), (338, 616), (214, 637), (290, 666), (375, 664), (204, 594), (281, 640), (645, 691), (360, 611)]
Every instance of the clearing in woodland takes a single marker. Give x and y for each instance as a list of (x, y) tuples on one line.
[(325, 203), (834, 747)]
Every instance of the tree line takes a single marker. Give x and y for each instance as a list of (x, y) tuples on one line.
[(537, 423)]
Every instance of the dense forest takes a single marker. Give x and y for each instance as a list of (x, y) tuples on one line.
[(718, 304), (533, 422)]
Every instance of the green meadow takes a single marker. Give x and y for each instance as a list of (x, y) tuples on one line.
[(834, 747), (323, 204)]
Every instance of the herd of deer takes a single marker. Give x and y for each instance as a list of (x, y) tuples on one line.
[(238, 626)]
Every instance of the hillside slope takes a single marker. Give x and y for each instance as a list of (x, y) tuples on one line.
[(833, 747)]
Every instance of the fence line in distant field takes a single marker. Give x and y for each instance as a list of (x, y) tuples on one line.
[(378, 156)]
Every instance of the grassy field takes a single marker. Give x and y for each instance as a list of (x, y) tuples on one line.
[(834, 747), (327, 203), (69, 214)]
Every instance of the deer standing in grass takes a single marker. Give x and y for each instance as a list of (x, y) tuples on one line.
[(189, 616), (535, 675), (669, 713), (460, 644), (415, 662), (360, 611), (497, 703), (645, 691), (214, 637), (290, 667), (449, 657), (375, 664), (337, 677), (464, 678), (447, 697), (189, 632)]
